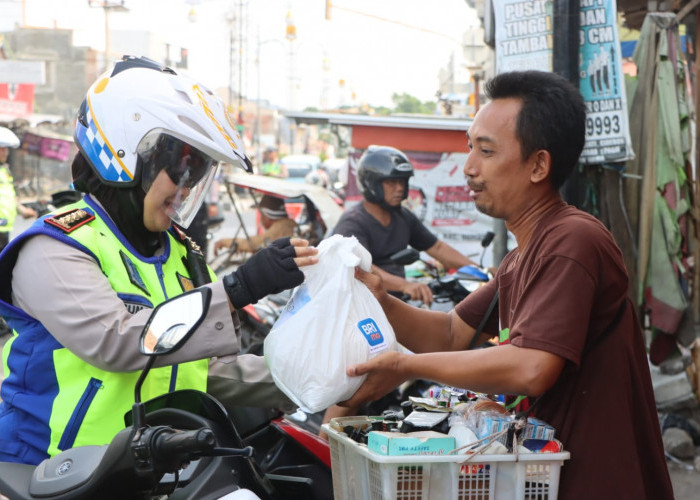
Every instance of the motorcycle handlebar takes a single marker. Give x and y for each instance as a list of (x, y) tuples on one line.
[(198, 441)]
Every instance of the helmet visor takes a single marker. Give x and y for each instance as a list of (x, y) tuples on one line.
[(191, 170)]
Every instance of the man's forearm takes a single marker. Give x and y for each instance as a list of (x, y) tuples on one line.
[(419, 330), (504, 369), (391, 282), (448, 256)]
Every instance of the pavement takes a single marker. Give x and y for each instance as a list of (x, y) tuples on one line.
[(686, 483)]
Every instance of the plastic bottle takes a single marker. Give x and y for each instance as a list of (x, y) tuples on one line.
[(461, 432)]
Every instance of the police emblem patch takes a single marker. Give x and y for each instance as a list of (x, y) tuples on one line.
[(185, 282), (133, 273), (70, 220)]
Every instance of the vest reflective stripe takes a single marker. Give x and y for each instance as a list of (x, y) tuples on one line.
[(271, 169), (8, 203), (89, 404)]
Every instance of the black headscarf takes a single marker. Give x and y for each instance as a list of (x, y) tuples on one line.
[(124, 206)]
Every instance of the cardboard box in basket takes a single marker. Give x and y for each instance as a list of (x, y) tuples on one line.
[(413, 443)]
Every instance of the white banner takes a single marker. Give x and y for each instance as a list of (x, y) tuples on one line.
[(523, 35)]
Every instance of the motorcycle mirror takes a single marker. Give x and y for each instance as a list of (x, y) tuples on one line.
[(406, 256), (485, 242), (487, 239), (173, 321), (170, 325)]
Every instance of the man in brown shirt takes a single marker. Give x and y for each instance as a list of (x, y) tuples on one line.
[(570, 334), (274, 220)]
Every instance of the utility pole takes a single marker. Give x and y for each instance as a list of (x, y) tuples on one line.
[(565, 55), (108, 6), (239, 117), (565, 33), (291, 35)]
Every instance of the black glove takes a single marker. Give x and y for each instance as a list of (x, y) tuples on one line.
[(270, 270)]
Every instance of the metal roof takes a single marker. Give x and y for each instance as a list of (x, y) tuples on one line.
[(398, 121)]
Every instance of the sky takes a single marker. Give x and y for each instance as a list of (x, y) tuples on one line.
[(368, 50)]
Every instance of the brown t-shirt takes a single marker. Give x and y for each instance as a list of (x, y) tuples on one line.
[(560, 295)]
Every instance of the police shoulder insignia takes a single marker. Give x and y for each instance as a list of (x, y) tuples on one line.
[(70, 220), (186, 240), (185, 282)]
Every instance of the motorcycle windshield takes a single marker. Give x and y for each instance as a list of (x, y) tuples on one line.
[(191, 401)]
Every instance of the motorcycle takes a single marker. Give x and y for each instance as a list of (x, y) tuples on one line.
[(181, 445), (448, 289)]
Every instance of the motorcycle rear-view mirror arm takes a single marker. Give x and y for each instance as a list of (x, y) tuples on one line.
[(138, 409)]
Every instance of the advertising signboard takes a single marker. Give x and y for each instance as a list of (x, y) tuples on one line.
[(602, 85), (524, 41), (523, 35)]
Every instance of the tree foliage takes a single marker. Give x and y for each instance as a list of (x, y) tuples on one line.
[(406, 103)]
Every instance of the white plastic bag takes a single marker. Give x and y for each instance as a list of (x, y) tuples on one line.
[(332, 321)]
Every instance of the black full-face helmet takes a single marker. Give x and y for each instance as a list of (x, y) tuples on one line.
[(379, 163)]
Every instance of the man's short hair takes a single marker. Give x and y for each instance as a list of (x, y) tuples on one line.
[(552, 117), (272, 207)]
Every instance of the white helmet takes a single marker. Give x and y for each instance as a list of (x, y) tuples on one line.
[(8, 139), (142, 117)]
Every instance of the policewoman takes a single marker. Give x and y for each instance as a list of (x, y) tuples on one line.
[(8, 201), (8, 204), (78, 286)]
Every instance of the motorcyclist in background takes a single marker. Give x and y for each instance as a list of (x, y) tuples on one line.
[(78, 286), (383, 226)]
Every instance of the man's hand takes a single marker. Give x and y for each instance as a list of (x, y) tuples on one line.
[(384, 374), (271, 270), (26, 212), (372, 281), (418, 291)]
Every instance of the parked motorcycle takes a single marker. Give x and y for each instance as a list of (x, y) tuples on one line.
[(181, 445), (448, 289)]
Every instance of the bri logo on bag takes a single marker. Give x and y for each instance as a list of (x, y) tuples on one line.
[(372, 334)]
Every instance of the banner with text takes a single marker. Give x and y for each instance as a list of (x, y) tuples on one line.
[(523, 35), (602, 85)]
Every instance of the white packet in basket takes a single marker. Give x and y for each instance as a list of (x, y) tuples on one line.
[(332, 321)]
